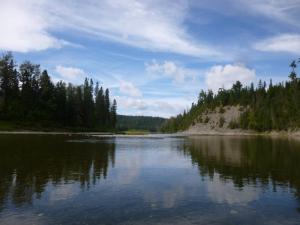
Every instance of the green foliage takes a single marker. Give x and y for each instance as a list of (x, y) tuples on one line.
[(233, 124), (293, 74), (221, 110), (274, 108), (199, 120), (28, 96), (206, 119), (139, 123), (221, 121), (113, 113)]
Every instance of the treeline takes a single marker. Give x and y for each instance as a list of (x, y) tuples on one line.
[(143, 123), (265, 107), (28, 96)]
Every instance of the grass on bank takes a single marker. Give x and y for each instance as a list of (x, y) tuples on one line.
[(136, 132), (45, 127), (50, 127)]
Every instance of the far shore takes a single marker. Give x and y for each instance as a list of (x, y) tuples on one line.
[(55, 132), (284, 134)]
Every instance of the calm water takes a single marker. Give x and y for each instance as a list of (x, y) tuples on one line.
[(199, 180)]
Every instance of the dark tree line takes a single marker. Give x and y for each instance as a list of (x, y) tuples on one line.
[(255, 160), (144, 123), (39, 161), (28, 95), (266, 107)]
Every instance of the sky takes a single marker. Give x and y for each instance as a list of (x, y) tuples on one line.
[(154, 55)]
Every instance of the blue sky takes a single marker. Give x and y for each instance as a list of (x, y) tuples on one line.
[(154, 55)]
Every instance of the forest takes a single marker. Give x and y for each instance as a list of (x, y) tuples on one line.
[(29, 98), (142, 123), (265, 107)]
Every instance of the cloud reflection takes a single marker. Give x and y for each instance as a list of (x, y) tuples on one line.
[(226, 192)]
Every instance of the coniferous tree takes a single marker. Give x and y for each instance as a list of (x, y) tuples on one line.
[(88, 103), (61, 102), (79, 110), (9, 86), (106, 108), (29, 73), (114, 114), (46, 97), (293, 74), (274, 108), (100, 108), (71, 108), (29, 96)]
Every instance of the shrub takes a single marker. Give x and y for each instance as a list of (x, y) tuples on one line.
[(200, 119), (233, 124), (221, 121), (221, 110), (206, 119)]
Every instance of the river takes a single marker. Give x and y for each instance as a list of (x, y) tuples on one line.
[(73, 179)]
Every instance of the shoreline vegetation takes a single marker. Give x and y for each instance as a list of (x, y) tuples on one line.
[(139, 134), (271, 109), (29, 98), (124, 125), (30, 103)]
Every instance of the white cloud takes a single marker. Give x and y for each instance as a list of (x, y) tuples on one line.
[(131, 103), (282, 10), (23, 28), (170, 69), (70, 74), (63, 192), (152, 107), (154, 25), (150, 24), (286, 11), (129, 89), (282, 43), (226, 192), (224, 76)]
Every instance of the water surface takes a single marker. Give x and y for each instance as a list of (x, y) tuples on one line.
[(57, 179)]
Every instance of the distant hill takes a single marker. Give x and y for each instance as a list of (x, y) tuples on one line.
[(147, 123)]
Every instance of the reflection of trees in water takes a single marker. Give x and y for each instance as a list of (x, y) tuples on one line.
[(248, 160), (28, 163)]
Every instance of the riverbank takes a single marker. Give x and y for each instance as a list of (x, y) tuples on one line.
[(95, 134), (50, 128), (55, 133), (273, 134), (238, 132), (87, 133)]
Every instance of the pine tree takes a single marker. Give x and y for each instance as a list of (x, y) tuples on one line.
[(29, 73), (96, 89), (28, 95), (100, 109), (114, 114), (293, 74), (276, 107), (88, 103), (9, 86), (72, 114), (78, 107), (270, 84), (61, 102), (107, 108), (46, 96)]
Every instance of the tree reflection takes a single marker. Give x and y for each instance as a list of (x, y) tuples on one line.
[(247, 160), (29, 163)]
